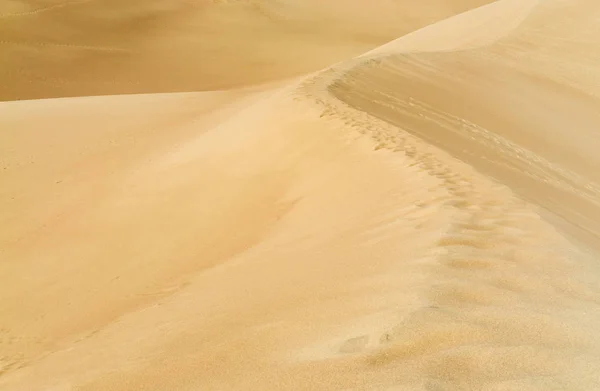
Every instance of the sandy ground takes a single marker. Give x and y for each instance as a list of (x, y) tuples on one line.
[(322, 212), (59, 48)]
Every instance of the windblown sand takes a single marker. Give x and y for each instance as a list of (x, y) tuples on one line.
[(265, 195)]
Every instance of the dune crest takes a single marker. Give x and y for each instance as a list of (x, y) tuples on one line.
[(397, 221)]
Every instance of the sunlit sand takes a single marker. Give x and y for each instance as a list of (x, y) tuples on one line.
[(300, 195)]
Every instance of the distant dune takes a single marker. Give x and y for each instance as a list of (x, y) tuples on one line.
[(326, 211), (51, 48)]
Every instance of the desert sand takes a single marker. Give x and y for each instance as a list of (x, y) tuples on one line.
[(300, 195)]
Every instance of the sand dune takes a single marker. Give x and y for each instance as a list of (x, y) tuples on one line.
[(528, 149), (52, 48), (420, 217)]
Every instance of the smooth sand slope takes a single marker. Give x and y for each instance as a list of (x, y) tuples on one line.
[(421, 217), (57, 48)]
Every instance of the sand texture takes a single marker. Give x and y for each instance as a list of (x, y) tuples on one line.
[(300, 195)]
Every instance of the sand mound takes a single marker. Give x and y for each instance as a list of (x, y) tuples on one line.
[(505, 109), (55, 48), (399, 221)]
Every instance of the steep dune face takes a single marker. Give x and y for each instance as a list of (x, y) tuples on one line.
[(524, 109), (57, 48), (373, 226)]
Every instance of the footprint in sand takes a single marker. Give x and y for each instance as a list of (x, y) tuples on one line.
[(355, 345)]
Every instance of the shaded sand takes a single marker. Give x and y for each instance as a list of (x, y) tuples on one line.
[(422, 217), (58, 48)]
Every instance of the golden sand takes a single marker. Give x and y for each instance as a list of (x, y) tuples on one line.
[(295, 204)]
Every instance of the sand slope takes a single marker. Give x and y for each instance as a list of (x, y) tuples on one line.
[(58, 48), (422, 217), (528, 117)]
